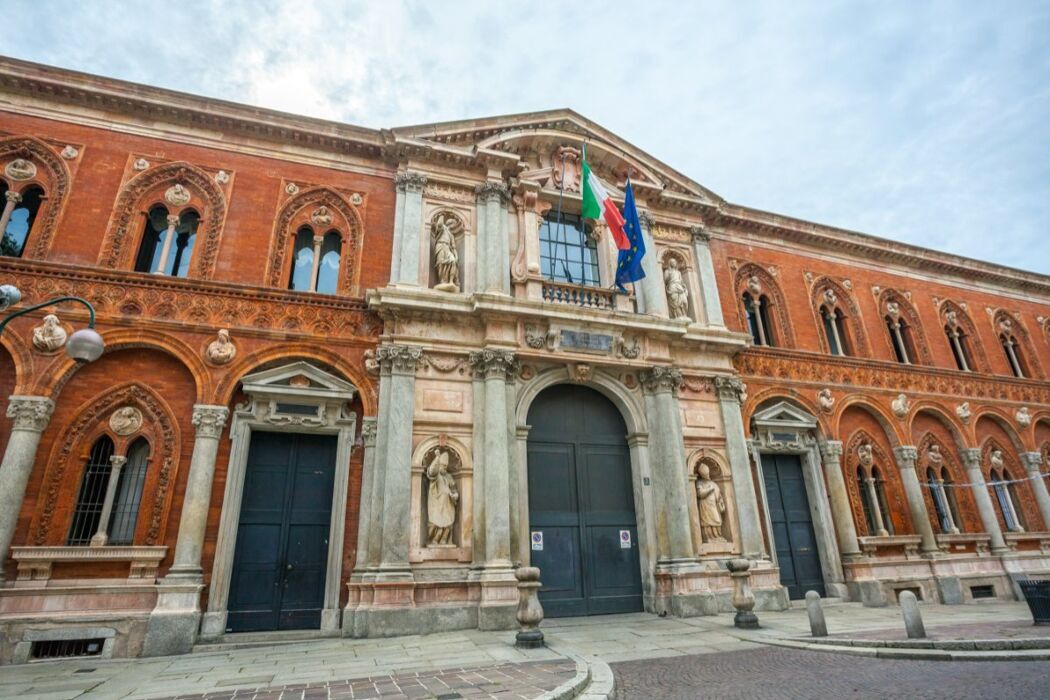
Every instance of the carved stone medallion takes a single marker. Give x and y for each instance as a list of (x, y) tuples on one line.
[(20, 169), (125, 420), (177, 195)]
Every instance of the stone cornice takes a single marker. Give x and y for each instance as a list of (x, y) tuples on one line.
[(763, 365)]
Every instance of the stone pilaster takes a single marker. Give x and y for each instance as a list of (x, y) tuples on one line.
[(174, 622), (493, 248), (29, 418), (654, 296), (906, 458), (831, 455), (364, 520), (708, 283), (671, 481), (731, 393), (972, 459), (408, 226), (1032, 462), (398, 365)]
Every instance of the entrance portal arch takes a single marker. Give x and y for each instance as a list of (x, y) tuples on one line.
[(583, 527)]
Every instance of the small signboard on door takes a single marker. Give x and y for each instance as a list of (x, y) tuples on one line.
[(537, 541), (625, 539)]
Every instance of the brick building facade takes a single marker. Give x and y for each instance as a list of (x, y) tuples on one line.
[(353, 377)]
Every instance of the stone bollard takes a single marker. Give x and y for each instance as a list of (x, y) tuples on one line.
[(743, 598), (818, 627), (912, 617), (530, 612)]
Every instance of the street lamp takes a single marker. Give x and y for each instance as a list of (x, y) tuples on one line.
[(85, 345)]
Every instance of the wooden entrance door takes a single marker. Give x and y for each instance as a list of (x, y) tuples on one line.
[(281, 557), (792, 522)]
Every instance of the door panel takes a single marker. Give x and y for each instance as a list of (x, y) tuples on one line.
[(580, 500), (281, 555), (793, 536)]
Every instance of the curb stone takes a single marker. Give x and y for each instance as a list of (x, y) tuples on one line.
[(884, 652), (593, 680)]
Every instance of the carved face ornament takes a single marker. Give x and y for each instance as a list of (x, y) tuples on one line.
[(754, 285), (893, 310), (830, 297), (996, 458), (933, 454), (865, 455)]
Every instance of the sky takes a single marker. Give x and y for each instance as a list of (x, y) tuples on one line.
[(925, 122)]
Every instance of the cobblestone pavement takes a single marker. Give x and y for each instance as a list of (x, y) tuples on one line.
[(507, 682), (789, 673)]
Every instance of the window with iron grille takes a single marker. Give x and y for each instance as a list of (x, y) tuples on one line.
[(92, 493)]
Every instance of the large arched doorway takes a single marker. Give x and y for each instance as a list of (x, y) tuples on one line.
[(582, 525)]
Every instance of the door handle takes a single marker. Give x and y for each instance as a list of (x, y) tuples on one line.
[(289, 567)]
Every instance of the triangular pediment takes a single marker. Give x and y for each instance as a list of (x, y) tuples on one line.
[(786, 414), (528, 146), (298, 379)]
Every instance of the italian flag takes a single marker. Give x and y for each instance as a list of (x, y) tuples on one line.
[(598, 205)]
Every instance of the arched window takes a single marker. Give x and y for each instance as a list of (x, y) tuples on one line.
[(1004, 500), (873, 498), (568, 253), (880, 493), (952, 503), (92, 495), (303, 261), (167, 242), (835, 330), (128, 496), (1014, 355), (940, 501), (901, 339), (960, 345), (757, 309), (328, 270), (20, 211), (316, 261)]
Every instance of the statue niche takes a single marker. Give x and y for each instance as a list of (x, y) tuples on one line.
[(442, 496), (445, 231), (711, 505), (675, 286)]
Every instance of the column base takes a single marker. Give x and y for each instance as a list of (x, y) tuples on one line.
[(174, 623), (949, 590), (498, 607), (213, 625)]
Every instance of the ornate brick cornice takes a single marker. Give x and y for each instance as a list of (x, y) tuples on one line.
[(661, 379), (787, 366), (31, 413), (209, 420), (494, 363), (398, 359), (410, 181)]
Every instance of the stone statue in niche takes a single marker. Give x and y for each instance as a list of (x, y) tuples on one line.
[(442, 498), (49, 336), (446, 259), (125, 420), (712, 505), (221, 350), (677, 294)]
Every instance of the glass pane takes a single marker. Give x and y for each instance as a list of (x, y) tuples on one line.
[(302, 260), (152, 240), (92, 493), (18, 226), (1004, 506), (567, 253), (129, 495), (182, 251), (328, 273)]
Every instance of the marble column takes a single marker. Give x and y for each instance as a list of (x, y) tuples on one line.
[(396, 423), (409, 229), (367, 503), (671, 481), (841, 513), (906, 458), (731, 394), (1032, 462), (708, 282), (492, 241), (29, 417), (972, 459), (654, 296), (173, 625)]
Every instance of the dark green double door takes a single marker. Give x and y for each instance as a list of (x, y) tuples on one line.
[(281, 558), (582, 525), (789, 513)]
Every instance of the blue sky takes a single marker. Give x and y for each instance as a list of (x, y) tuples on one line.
[(921, 122)]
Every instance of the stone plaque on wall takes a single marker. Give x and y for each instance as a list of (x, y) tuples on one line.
[(587, 342)]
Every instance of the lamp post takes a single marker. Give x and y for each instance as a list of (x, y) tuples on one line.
[(85, 345)]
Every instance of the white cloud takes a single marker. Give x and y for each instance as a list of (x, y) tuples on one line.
[(921, 123)]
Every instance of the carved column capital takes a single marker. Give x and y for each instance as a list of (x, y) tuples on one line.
[(410, 181), (368, 431), (209, 420), (972, 457), (700, 235), (492, 191), (398, 359), (30, 412), (831, 450), (646, 219), (731, 388), (906, 456), (1032, 460), (493, 363), (661, 379), (118, 462), (13, 197)]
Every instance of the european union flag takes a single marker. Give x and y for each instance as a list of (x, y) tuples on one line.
[(629, 261)]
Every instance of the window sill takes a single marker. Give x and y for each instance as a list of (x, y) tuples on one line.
[(35, 563)]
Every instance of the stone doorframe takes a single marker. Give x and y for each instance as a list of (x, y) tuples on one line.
[(279, 400), (786, 429), (630, 406)]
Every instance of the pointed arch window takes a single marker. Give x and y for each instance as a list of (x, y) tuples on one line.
[(107, 506), (835, 330), (92, 494), (316, 261), (960, 345), (756, 306), (1004, 497), (167, 242), (901, 337), (128, 497), (873, 499), (19, 214), (1014, 355)]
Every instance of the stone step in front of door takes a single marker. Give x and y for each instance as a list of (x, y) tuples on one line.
[(801, 604), (249, 640)]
